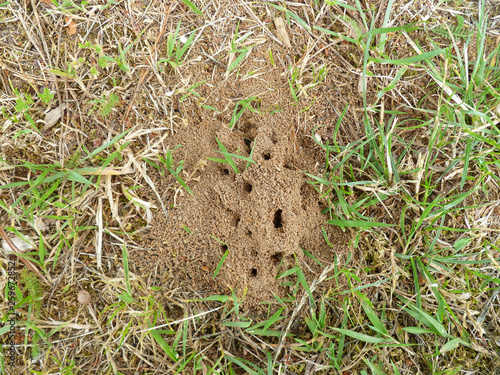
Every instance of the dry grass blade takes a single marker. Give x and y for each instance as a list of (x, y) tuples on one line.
[(107, 171), (52, 117), (99, 234)]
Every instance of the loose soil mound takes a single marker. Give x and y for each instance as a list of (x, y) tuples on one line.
[(263, 215)]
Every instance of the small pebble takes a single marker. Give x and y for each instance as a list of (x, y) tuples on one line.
[(83, 297)]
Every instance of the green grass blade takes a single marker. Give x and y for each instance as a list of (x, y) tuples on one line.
[(217, 298), (383, 37), (299, 20), (385, 30), (14, 184), (237, 324), (358, 223), (221, 262), (466, 163), (180, 181), (303, 282), (251, 154), (73, 176), (293, 90), (230, 155), (273, 319), (105, 146), (362, 336), (193, 7), (163, 344), (238, 59), (336, 35), (244, 365), (375, 369), (411, 60), (417, 330), (452, 344), (393, 83), (126, 268), (426, 319), (229, 159), (373, 317), (269, 363), (184, 48)]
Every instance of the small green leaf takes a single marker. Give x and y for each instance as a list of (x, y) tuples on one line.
[(461, 243), (46, 96), (65, 74), (226, 154), (125, 297), (452, 344), (273, 319), (110, 143), (241, 363), (180, 52), (302, 280), (291, 271), (73, 176), (180, 181), (299, 20)]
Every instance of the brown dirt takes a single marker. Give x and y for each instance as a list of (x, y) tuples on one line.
[(266, 213)]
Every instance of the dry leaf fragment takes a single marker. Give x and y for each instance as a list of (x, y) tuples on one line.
[(13, 247), (22, 245), (40, 225), (53, 116), (70, 25), (281, 31)]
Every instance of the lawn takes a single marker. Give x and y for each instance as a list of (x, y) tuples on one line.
[(267, 187)]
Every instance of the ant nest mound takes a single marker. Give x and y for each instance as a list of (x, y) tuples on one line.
[(260, 218)]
